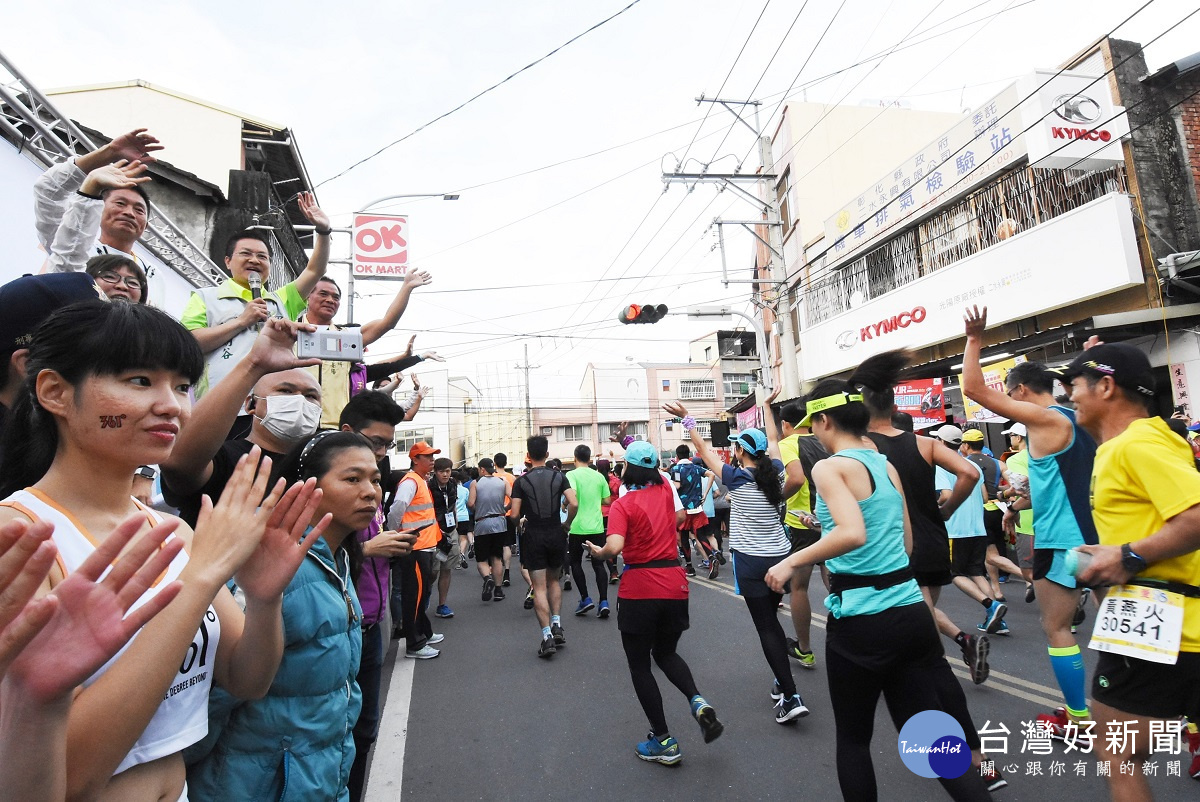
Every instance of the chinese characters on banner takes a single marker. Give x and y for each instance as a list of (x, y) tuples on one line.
[(1179, 387), (993, 376), (380, 246), (923, 400), (748, 419)]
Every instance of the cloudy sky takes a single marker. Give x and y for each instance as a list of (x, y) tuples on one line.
[(562, 216)]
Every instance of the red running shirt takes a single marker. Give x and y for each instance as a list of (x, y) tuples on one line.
[(646, 519)]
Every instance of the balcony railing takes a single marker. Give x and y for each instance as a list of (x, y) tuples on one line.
[(1018, 200)]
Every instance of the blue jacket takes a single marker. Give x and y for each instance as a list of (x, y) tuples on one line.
[(297, 742)]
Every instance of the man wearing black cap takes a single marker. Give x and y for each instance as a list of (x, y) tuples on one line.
[(1146, 504), (27, 301)]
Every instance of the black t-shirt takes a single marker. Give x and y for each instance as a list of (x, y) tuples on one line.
[(223, 463), (541, 492), (991, 472)]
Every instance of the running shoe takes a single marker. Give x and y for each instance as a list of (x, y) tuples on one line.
[(444, 611), (689, 570), (603, 611), (585, 605), (505, 581), (614, 576), (498, 595), (1081, 608), (556, 632), (1055, 722), (529, 600), (547, 649), (975, 655), (776, 691), (424, 653), (1193, 743), (714, 568), (704, 565), (994, 617), (567, 582), (806, 659), (471, 551), (436, 638), (489, 587), (992, 778), (1029, 594), (721, 558), (665, 751), (462, 561), (706, 717), (790, 709), (1003, 630)]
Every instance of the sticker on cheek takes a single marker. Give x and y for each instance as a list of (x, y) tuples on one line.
[(111, 421)]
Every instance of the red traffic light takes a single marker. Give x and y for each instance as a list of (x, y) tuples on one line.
[(643, 313)]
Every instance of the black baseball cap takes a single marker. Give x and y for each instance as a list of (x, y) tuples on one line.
[(29, 300), (1127, 365)]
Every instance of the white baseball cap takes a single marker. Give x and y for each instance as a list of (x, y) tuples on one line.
[(1017, 429), (949, 434)]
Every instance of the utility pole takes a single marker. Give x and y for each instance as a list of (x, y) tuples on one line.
[(769, 208), (528, 407)]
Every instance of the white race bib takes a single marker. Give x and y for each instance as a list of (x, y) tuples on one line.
[(1141, 622)]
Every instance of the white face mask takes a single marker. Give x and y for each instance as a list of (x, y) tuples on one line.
[(291, 417)]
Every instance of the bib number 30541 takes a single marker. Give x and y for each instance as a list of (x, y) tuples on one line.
[(1141, 622)]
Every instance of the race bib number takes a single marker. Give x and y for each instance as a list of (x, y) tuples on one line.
[(450, 520), (1141, 622)]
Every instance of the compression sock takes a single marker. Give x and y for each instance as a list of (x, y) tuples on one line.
[(545, 632), (1067, 663)]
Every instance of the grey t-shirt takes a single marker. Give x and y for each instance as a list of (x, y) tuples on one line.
[(489, 505)]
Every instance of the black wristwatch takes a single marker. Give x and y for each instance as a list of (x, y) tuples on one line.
[(146, 472), (1131, 561)]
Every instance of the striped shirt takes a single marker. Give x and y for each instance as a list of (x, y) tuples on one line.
[(755, 526)]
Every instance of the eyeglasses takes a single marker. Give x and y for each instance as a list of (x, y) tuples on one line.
[(252, 256), (109, 277), (380, 444)]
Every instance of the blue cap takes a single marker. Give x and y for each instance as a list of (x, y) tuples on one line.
[(753, 440), (29, 300), (642, 454)]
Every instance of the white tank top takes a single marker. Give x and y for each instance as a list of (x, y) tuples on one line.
[(182, 717)]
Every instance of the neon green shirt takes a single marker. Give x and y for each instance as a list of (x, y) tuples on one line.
[(590, 490)]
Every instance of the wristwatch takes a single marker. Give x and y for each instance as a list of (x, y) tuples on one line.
[(146, 472), (1131, 561)]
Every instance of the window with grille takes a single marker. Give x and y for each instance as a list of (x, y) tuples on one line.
[(407, 438), (571, 433), (702, 426), (696, 389), (737, 385), (783, 198), (637, 430)]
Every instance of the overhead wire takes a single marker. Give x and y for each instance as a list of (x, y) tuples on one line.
[(478, 95)]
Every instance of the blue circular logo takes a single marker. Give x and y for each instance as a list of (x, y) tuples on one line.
[(932, 744)]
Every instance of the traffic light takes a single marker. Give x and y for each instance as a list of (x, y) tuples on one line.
[(648, 313)]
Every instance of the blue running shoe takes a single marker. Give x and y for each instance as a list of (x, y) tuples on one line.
[(585, 605), (665, 751), (444, 611), (995, 617), (603, 611), (706, 716)]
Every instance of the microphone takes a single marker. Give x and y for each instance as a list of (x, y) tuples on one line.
[(255, 282)]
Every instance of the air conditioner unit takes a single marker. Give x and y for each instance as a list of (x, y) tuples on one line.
[(547, 430)]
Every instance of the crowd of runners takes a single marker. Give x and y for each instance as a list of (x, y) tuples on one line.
[(221, 636)]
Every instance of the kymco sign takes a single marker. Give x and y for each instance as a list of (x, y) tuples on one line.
[(380, 246)]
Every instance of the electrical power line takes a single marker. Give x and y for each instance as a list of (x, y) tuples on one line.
[(472, 99)]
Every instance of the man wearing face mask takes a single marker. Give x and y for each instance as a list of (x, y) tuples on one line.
[(270, 385)]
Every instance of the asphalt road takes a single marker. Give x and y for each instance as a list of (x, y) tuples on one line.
[(489, 720)]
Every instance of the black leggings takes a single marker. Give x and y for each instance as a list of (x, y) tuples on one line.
[(638, 650), (908, 687), (764, 611), (598, 568)]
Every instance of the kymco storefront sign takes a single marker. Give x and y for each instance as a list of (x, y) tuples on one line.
[(1085, 253), (380, 246)]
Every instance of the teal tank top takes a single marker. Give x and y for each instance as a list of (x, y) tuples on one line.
[(883, 514), (1060, 487)]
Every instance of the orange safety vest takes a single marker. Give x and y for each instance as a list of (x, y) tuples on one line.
[(420, 515)]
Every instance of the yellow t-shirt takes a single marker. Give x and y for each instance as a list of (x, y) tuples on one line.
[(789, 451), (1142, 478)]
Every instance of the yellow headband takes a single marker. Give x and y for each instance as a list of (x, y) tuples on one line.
[(828, 402)]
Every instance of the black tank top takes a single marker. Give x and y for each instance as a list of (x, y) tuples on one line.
[(931, 546)]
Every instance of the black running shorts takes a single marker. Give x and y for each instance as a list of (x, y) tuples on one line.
[(1153, 690)]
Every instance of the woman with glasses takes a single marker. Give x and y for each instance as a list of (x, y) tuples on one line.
[(118, 277)]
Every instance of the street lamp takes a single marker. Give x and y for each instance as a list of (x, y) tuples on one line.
[(350, 262)]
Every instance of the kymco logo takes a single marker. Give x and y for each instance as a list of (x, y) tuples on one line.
[(932, 745)]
